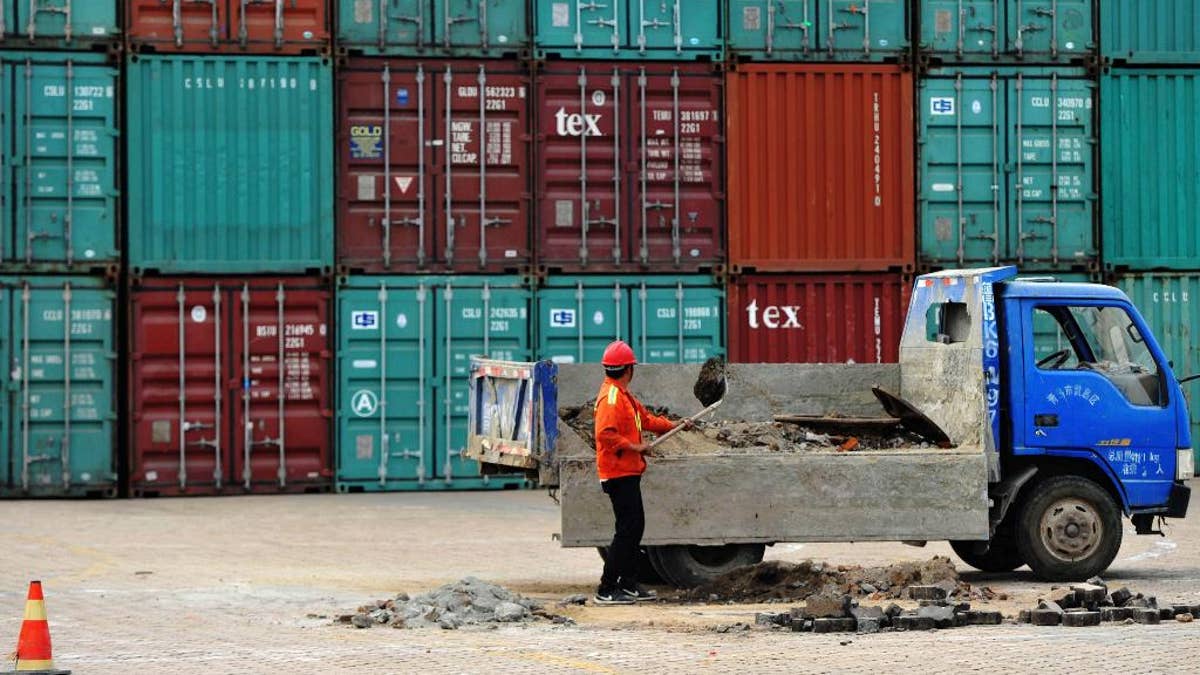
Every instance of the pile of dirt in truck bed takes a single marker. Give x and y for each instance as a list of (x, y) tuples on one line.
[(468, 602), (726, 436), (789, 582)]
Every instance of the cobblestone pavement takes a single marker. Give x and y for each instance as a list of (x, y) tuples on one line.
[(237, 585)]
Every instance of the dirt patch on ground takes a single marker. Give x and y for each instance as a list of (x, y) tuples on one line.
[(776, 581)]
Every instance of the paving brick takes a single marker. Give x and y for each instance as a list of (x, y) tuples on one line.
[(1146, 615), (831, 625), (1080, 619), (827, 606), (1045, 617), (912, 623), (926, 593), (1088, 594), (1121, 596), (869, 625), (1116, 613)]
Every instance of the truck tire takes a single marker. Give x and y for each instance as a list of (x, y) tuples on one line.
[(1069, 529), (1001, 556), (645, 571), (691, 566)]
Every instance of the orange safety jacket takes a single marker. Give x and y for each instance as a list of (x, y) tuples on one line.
[(620, 419)]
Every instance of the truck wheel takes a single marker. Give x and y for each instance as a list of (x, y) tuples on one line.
[(1001, 556), (645, 570), (691, 566), (1069, 529)]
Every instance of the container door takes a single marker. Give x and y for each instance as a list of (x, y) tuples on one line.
[(677, 140), (864, 29), (488, 320), (8, 75), (670, 28), (962, 27), (580, 27), (384, 27), (483, 185), (282, 408), (69, 19), (1061, 28), (179, 415), (66, 189), (177, 24), (677, 324), (1052, 199), (289, 25), (576, 323), (580, 129), (772, 29), (386, 156), (962, 154), (8, 19), (385, 400), (491, 27)]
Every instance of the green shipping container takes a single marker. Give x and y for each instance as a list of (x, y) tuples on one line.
[(818, 30), (59, 143), (1006, 162), (59, 419), (665, 319), (1150, 31), (230, 164), (1165, 301), (63, 24), (1149, 177), (457, 28), (404, 348), (986, 30), (679, 30)]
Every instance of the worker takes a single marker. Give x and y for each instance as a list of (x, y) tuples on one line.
[(620, 461)]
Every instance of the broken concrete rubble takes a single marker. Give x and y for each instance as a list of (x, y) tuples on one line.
[(465, 603)]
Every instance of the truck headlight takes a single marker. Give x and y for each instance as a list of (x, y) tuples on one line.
[(1185, 464)]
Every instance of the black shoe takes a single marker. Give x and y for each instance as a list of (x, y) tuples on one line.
[(614, 596), (640, 593)]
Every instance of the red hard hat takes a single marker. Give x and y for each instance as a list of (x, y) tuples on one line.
[(618, 354)]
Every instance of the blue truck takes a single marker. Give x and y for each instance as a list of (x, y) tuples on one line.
[(1047, 412)]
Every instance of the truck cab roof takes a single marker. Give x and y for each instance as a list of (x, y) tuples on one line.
[(1049, 288)]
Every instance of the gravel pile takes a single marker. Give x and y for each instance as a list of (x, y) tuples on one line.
[(469, 602)]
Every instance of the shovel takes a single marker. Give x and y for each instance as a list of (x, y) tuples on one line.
[(710, 389)]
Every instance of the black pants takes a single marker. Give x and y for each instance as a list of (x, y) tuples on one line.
[(620, 566)]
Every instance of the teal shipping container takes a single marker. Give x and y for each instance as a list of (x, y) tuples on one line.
[(404, 349), (818, 30), (666, 319), (60, 24), (986, 30), (675, 30), (58, 421), (1150, 32), (230, 164), (458, 28), (1149, 177), (59, 143), (1165, 301), (1006, 161)]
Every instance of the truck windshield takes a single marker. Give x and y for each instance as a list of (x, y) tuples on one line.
[(1101, 339)]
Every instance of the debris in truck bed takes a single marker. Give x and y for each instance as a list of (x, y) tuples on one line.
[(781, 581), (467, 602)]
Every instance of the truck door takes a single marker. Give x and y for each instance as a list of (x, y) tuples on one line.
[(1094, 384)]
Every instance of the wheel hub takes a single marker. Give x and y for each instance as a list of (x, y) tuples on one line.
[(1071, 529)]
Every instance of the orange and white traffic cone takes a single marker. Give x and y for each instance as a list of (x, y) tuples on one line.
[(33, 646)]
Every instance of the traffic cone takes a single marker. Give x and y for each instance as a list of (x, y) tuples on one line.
[(33, 646)]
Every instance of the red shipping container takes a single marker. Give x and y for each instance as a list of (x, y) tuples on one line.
[(230, 386), (433, 175), (817, 318), (630, 167), (228, 26), (821, 168)]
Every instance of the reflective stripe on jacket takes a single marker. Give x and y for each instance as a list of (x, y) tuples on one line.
[(620, 420)]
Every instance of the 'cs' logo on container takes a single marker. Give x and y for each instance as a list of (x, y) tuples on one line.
[(364, 320), (941, 105), (562, 318)]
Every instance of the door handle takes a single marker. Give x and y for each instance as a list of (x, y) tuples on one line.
[(1045, 420)]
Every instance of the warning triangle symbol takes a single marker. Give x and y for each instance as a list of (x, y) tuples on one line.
[(403, 182)]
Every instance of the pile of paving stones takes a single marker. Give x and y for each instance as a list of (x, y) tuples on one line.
[(469, 602), (1091, 603), (832, 613)]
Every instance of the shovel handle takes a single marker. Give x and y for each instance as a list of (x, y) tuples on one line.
[(678, 427)]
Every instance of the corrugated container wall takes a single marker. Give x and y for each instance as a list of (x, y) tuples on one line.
[(59, 24), (1006, 168), (986, 30), (230, 164), (818, 30), (1150, 180), (1148, 33), (404, 349), (229, 26), (666, 319), (820, 168), (680, 30), (817, 318), (630, 168), (58, 423), (230, 387), (458, 28), (434, 166), (1165, 301), (59, 137)]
